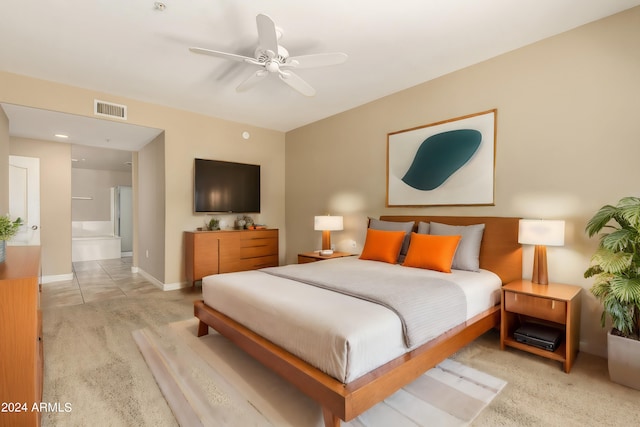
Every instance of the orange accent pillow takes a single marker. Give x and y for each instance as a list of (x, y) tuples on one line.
[(382, 245), (431, 252)]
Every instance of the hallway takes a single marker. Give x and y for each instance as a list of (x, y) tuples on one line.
[(96, 280)]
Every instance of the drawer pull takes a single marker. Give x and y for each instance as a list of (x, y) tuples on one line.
[(553, 304)]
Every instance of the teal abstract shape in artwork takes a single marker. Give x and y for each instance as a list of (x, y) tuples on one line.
[(440, 156)]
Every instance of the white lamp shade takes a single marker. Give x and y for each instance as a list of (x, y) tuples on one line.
[(541, 232), (328, 223)]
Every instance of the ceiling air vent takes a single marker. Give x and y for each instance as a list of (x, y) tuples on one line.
[(107, 109)]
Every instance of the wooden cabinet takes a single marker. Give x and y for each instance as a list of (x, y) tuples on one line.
[(315, 256), (226, 251), (21, 351), (554, 305)]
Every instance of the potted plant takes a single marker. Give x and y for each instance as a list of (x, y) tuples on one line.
[(214, 224), (616, 269), (8, 229)]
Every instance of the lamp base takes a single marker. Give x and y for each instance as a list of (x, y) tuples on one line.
[(326, 240), (540, 274)]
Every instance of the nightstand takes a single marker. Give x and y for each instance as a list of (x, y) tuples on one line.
[(315, 256), (555, 305)]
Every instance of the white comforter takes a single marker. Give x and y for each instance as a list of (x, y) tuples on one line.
[(343, 336)]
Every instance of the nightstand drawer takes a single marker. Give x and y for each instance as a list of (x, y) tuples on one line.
[(542, 308)]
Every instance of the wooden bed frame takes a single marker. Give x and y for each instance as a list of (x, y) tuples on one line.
[(500, 253)]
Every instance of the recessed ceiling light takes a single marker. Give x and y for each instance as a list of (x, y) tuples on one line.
[(61, 135), (159, 6)]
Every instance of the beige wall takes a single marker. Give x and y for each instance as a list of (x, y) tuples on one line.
[(567, 143), (4, 162), (151, 206), (55, 201), (94, 184), (187, 135)]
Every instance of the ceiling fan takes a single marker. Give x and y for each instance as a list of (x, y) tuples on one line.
[(274, 59)]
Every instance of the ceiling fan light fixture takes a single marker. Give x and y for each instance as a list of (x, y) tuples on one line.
[(272, 66), (273, 58)]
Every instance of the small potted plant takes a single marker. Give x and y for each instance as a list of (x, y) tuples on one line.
[(616, 269), (8, 229), (214, 224)]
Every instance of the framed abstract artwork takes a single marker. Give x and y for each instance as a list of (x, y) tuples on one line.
[(447, 163)]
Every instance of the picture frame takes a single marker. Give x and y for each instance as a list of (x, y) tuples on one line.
[(447, 163)]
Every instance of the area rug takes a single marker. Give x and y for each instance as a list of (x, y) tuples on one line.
[(208, 381)]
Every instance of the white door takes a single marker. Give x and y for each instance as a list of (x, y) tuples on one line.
[(24, 198)]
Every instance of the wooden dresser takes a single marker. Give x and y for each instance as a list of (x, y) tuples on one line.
[(226, 251), (21, 352)]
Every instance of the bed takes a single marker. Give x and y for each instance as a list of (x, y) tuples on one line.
[(344, 394)]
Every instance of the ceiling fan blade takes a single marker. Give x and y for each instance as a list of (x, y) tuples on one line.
[(316, 60), (267, 34), (297, 83), (224, 55), (253, 79)]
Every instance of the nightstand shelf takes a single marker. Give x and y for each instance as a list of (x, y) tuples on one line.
[(555, 305), (306, 257)]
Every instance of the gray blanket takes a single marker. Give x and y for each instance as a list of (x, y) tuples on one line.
[(426, 306)]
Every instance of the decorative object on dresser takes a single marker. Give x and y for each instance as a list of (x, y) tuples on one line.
[(327, 224), (535, 310), (541, 233), (213, 224), (225, 251), (21, 351), (306, 257), (8, 229), (616, 268)]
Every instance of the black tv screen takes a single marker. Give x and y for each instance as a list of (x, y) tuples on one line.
[(226, 187)]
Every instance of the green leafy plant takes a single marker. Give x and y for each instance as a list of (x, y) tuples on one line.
[(8, 228), (214, 224), (616, 265)]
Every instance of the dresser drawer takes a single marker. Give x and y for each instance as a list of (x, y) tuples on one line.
[(258, 247), (542, 308), (249, 264)]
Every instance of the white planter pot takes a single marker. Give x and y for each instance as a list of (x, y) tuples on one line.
[(624, 360)]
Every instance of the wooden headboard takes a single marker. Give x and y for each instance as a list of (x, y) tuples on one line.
[(500, 251)]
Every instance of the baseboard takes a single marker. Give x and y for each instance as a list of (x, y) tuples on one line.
[(159, 284), (56, 278), (175, 286)]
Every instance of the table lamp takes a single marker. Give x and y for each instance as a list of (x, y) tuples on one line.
[(541, 233), (327, 224)]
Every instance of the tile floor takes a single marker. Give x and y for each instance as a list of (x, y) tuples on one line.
[(96, 280)]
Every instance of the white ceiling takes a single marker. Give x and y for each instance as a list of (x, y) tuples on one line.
[(132, 49)]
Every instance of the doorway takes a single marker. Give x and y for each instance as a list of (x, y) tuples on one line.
[(24, 199), (45, 125)]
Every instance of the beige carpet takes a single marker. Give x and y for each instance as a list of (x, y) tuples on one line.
[(208, 381), (93, 362)]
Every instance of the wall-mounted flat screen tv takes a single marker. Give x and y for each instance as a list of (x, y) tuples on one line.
[(226, 187)]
